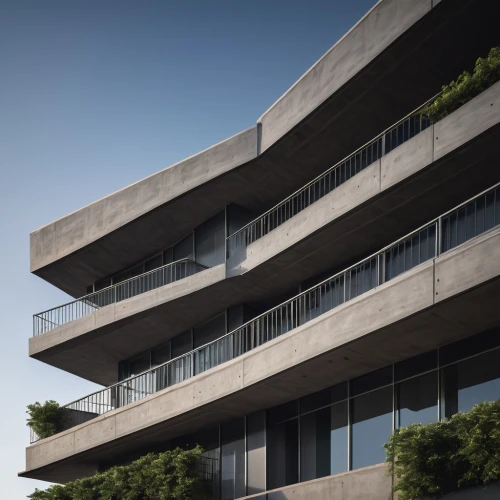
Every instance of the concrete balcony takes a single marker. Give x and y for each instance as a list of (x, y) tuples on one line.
[(393, 59), (439, 301), (437, 168)]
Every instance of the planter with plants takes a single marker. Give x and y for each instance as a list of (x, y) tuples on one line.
[(47, 419), (172, 475), (439, 458)]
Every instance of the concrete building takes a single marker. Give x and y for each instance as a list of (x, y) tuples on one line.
[(291, 295)]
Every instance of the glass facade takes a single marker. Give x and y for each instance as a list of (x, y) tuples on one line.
[(206, 244), (345, 427)]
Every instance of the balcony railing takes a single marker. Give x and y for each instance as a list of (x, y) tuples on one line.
[(474, 217), (382, 144), (48, 320)]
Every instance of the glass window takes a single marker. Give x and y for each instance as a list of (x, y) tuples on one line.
[(371, 381), (160, 354), (413, 366), (470, 382), (181, 344), (283, 450), (469, 346), (153, 263), (210, 241), (283, 412), (99, 285), (184, 249), (210, 330), (168, 256), (233, 459), (417, 400), (256, 453), (371, 426), (323, 442), (139, 364), (323, 398)]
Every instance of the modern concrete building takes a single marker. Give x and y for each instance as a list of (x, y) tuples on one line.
[(289, 296)]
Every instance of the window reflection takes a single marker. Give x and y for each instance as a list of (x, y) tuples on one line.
[(371, 426), (417, 400), (470, 382)]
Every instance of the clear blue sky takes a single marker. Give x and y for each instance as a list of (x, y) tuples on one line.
[(97, 94)]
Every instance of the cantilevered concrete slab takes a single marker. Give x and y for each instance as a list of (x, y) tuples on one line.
[(435, 303), (390, 62), (431, 173)]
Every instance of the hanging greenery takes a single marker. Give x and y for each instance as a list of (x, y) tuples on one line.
[(46, 419), (437, 458), (467, 86), (172, 475)]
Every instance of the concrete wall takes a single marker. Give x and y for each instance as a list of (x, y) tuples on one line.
[(368, 483), (101, 365), (399, 319), (383, 24), (78, 229), (448, 135)]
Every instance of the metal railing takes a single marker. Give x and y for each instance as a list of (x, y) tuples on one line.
[(48, 320), (448, 231), (382, 144)]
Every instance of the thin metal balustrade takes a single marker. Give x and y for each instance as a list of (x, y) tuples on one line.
[(402, 131), (48, 320), (468, 220)]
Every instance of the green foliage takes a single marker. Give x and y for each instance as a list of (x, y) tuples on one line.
[(486, 73), (441, 457), (47, 419), (156, 476)]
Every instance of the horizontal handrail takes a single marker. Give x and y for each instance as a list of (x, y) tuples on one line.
[(373, 150), (75, 309), (453, 228)]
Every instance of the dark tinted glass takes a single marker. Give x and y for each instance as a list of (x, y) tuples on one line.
[(417, 400), (469, 346), (160, 354), (233, 459), (413, 366), (470, 382), (184, 249), (153, 263), (371, 381), (283, 450), (210, 330), (371, 427), (323, 398), (256, 452), (181, 344), (283, 412)]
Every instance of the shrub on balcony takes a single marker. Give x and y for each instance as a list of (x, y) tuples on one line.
[(46, 419), (486, 73), (172, 475), (437, 458)]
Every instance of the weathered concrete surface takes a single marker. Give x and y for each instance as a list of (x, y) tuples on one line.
[(369, 37), (81, 346), (399, 319), (390, 198), (368, 483), (395, 58), (446, 137)]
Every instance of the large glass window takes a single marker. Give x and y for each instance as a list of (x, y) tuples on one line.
[(470, 382), (256, 453), (184, 249), (283, 451), (233, 459), (371, 426), (417, 400), (323, 442)]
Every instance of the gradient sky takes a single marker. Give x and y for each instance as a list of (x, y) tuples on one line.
[(97, 94)]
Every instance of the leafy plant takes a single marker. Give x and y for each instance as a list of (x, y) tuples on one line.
[(171, 475), (467, 86), (441, 457), (46, 419)]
